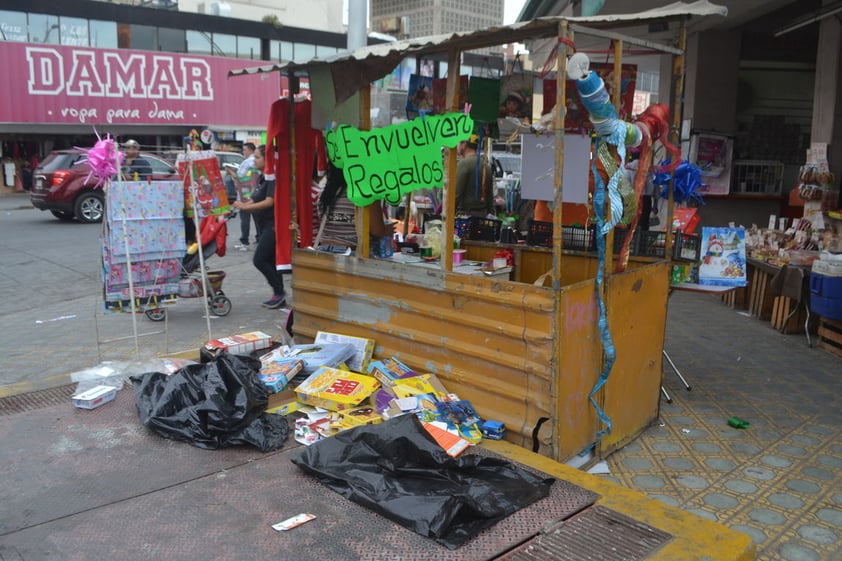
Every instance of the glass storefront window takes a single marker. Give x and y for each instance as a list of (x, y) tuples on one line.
[(43, 29), (103, 34), (224, 45), (286, 50), (74, 31), (248, 47), (322, 51), (304, 51), (13, 26), (172, 40), (198, 42), (144, 37)]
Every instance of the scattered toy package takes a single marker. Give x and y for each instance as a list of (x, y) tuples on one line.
[(324, 354), (389, 371), (244, 343), (276, 370), (341, 386), (335, 389), (94, 397), (363, 348)]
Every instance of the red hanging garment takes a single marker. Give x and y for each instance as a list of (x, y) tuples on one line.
[(309, 145)]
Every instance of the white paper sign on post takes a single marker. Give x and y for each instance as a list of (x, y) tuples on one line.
[(538, 168)]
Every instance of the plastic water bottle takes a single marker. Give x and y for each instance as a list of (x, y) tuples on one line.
[(385, 246)]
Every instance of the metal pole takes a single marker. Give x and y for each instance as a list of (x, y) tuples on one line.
[(357, 24)]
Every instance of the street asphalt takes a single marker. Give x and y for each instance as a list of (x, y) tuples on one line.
[(57, 336)]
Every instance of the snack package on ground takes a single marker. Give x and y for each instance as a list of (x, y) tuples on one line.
[(364, 415), (309, 431), (276, 371), (94, 397), (336, 389), (363, 348), (389, 371), (273, 382), (452, 443), (324, 354), (243, 343), (420, 384)]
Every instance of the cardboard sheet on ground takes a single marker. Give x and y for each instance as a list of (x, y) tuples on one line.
[(397, 469), (537, 175)]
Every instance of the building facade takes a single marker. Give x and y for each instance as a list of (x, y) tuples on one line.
[(421, 18), (80, 68)]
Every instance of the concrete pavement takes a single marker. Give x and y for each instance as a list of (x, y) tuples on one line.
[(63, 335)]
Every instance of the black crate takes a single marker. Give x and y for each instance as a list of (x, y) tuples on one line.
[(620, 237), (578, 238), (651, 243), (540, 233), (687, 247), (483, 229)]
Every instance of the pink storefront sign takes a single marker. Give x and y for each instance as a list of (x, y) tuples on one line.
[(74, 85)]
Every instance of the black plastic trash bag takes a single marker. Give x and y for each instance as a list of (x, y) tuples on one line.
[(211, 405), (396, 469)]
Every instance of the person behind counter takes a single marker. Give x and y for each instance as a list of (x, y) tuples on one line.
[(339, 232), (474, 182)]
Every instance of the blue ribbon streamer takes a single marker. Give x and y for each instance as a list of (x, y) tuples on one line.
[(604, 332), (688, 179)]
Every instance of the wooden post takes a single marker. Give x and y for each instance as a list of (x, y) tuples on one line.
[(449, 203), (361, 218), (558, 127), (677, 110)]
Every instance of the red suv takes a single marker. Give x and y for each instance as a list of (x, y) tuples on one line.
[(61, 185)]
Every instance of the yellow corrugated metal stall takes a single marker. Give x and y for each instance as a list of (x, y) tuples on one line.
[(527, 351), (492, 341)]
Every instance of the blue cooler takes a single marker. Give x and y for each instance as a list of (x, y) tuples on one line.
[(826, 289)]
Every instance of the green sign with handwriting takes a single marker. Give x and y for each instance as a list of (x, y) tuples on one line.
[(387, 163)]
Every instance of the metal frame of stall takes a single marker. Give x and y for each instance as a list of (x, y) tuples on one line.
[(523, 353)]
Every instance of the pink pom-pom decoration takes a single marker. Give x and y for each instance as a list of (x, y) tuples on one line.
[(103, 159)]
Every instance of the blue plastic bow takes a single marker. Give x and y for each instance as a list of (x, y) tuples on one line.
[(688, 179)]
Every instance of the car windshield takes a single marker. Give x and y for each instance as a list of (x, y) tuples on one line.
[(509, 162)]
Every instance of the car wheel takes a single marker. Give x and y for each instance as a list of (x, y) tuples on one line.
[(62, 215), (90, 207), (158, 314)]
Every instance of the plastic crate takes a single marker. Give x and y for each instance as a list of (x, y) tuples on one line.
[(578, 238), (687, 247), (483, 229), (651, 244), (540, 233), (620, 236)]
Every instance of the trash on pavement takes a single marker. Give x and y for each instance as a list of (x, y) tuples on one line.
[(214, 405)]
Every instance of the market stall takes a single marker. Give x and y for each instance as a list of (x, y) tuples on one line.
[(565, 350)]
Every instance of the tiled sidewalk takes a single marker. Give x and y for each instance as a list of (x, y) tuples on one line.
[(780, 480)]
